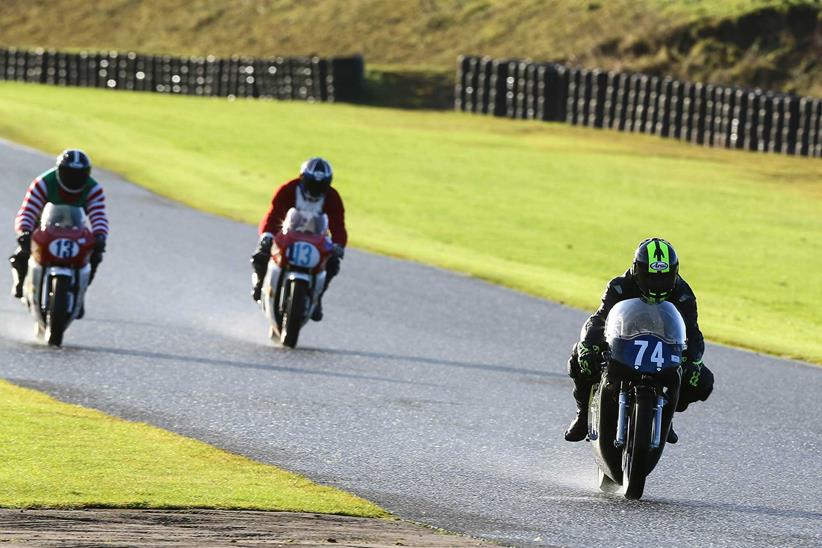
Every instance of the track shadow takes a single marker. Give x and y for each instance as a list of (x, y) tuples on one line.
[(437, 361), (742, 508), (232, 363)]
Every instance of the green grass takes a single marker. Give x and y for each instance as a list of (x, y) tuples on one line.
[(549, 209), (593, 33), (58, 455)]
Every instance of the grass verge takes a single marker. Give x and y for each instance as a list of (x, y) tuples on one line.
[(549, 209), (58, 455)]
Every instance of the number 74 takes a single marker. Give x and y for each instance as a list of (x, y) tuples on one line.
[(656, 355)]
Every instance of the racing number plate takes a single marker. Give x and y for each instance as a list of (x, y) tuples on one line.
[(64, 248), (303, 254)]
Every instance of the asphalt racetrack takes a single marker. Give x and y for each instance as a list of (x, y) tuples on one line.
[(440, 397)]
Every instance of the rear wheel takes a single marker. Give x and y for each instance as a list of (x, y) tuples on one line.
[(637, 454), (57, 314), (294, 313)]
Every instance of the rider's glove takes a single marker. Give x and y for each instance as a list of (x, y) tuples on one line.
[(590, 358), (99, 249), (21, 255), (99, 246), (24, 241), (97, 254), (262, 254), (338, 251)]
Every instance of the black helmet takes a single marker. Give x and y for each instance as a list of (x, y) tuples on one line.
[(73, 170), (655, 269), (315, 176)]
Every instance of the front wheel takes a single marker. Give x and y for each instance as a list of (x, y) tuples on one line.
[(294, 313), (57, 314), (637, 453)]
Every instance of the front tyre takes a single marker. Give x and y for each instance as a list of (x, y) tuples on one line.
[(637, 454), (294, 313), (57, 313)]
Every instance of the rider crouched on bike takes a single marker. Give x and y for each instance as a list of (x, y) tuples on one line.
[(653, 277), (68, 183), (311, 191)]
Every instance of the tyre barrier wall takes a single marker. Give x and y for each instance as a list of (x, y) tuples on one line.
[(704, 114), (297, 78)]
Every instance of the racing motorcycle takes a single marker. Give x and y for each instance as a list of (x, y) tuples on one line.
[(296, 274), (59, 270), (632, 406)]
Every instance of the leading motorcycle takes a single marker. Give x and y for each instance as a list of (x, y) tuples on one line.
[(59, 270), (296, 274), (632, 406)]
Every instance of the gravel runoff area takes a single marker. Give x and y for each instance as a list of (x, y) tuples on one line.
[(108, 527)]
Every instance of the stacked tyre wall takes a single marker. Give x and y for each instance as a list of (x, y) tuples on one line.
[(296, 78), (704, 114)]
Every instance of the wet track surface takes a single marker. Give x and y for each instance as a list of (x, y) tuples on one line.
[(440, 397)]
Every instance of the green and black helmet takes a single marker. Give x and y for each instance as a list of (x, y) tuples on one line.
[(655, 269)]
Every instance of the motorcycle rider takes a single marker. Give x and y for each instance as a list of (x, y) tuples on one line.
[(311, 191), (70, 183), (653, 277)]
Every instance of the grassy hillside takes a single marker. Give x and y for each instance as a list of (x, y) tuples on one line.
[(773, 43), (550, 209)]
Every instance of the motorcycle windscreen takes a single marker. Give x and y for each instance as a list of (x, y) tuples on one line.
[(62, 216), (646, 337), (305, 221)]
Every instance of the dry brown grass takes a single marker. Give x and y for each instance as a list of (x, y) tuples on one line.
[(620, 34)]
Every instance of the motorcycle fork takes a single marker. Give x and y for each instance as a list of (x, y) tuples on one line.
[(622, 416), (625, 401), (657, 437)]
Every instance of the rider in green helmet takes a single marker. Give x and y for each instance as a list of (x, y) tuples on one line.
[(653, 277)]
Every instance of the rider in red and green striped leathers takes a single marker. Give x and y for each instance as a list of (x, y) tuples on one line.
[(69, 182)]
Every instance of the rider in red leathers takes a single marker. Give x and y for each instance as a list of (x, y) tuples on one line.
[(311, 191)]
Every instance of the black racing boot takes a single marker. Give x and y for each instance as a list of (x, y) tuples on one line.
[(672, 437), (578, 430), (18, 289), (20, 266), (257, 291), (317, 314)]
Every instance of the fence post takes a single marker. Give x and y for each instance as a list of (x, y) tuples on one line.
[(521, 76), (815, 140), (584, 97), (777, 121), (673, 109), (790, 126), (460, 84), (623, 102), (498, 86), (571, 103), (484, 78)]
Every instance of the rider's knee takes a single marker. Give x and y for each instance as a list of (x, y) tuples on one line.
[(697, 385), (332, 267)]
